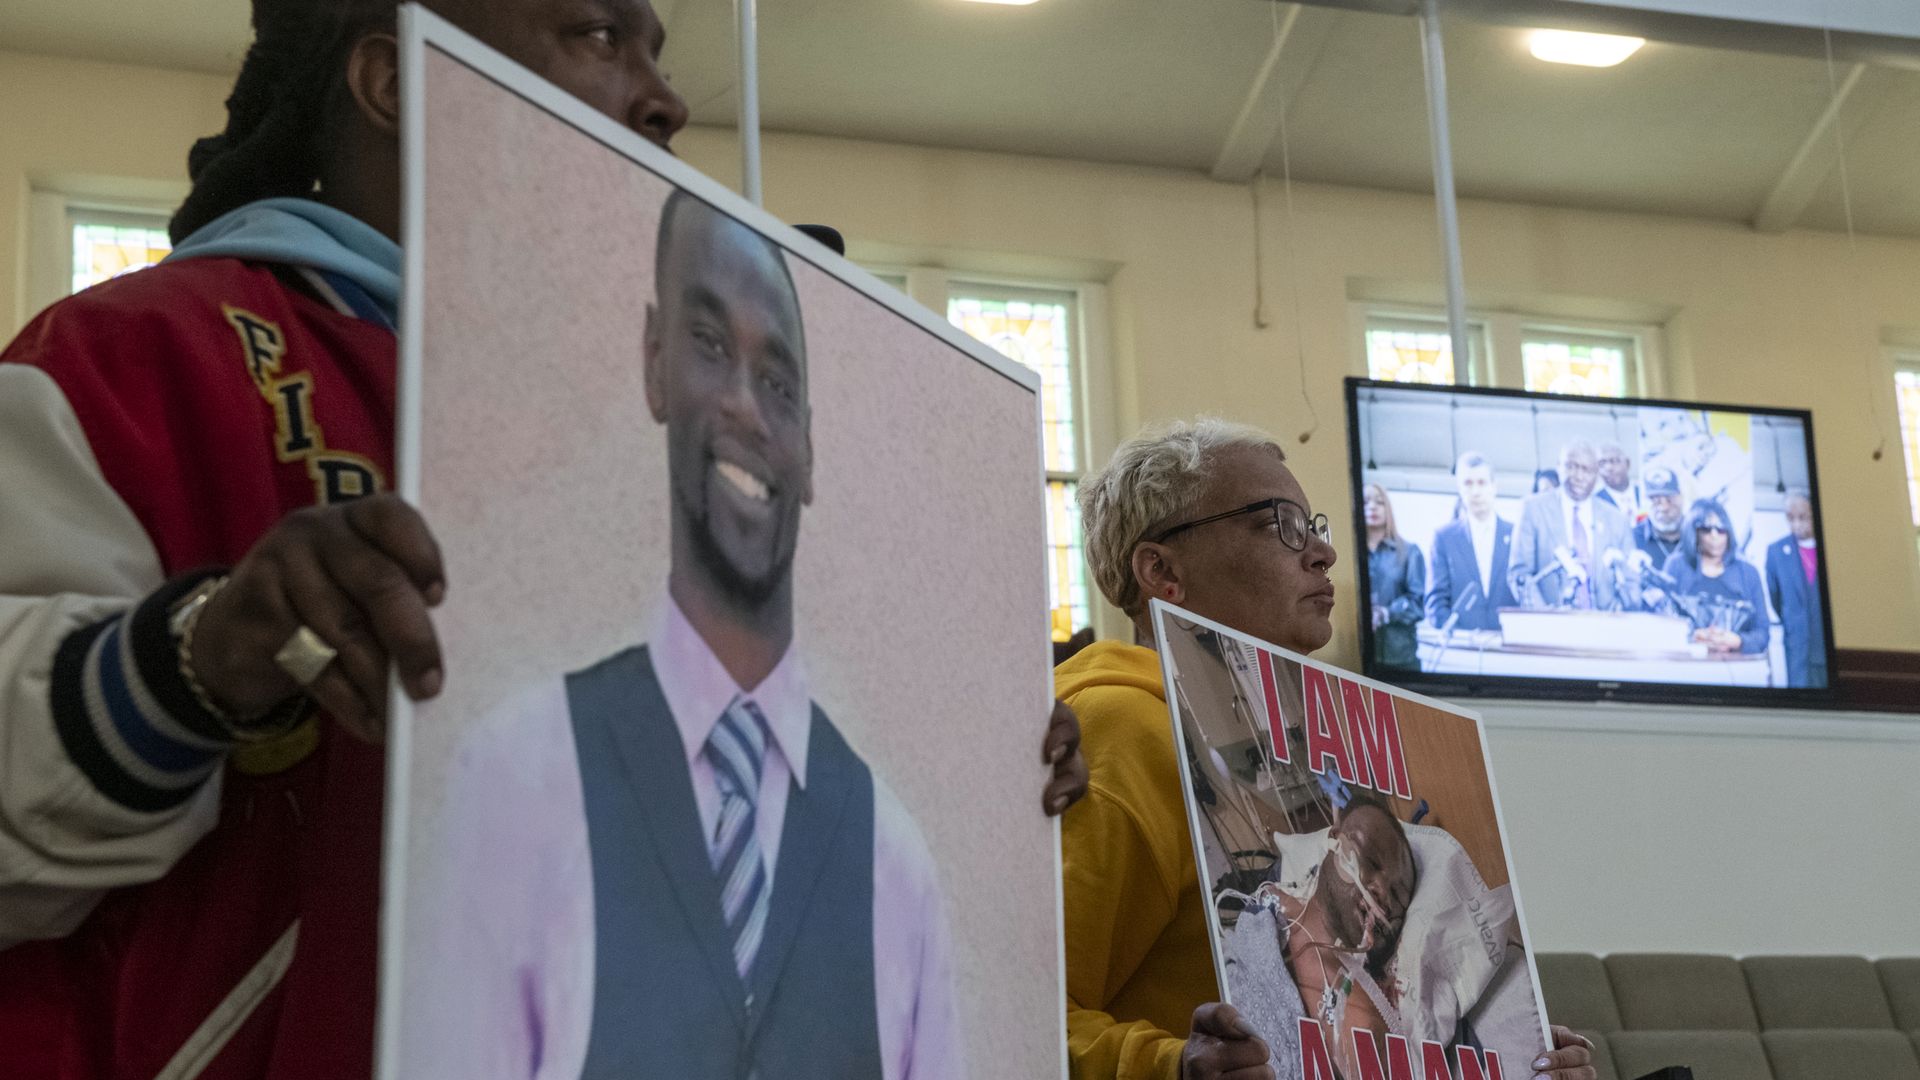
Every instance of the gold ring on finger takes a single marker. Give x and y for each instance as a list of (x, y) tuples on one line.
[(305, 656)]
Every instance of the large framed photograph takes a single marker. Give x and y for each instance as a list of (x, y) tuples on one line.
[(1361, 901), (737, 769)]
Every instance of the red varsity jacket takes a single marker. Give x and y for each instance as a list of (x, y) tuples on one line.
[(215, 396)]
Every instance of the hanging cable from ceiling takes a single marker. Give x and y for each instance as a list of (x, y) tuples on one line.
[(1293, 262), (1259, 254), (1293, 285), (1874, 404)]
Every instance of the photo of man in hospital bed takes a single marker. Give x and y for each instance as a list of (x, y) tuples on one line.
[(1388, 922)]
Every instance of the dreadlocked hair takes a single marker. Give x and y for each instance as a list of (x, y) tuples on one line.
[(277, 115)]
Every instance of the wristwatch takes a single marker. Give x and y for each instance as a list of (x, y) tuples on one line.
[(182, 618)]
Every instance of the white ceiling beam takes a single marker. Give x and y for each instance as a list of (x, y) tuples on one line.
[(1296, 49), (1811, 164), (1890, 18), (1884, 32)]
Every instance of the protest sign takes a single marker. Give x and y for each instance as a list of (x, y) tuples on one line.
[(1349, 844), (737, 769)]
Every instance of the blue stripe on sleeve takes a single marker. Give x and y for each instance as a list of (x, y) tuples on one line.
[(135, 728)]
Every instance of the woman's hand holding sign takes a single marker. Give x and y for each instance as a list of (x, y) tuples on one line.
[(1061, 751), (1570, 1059), (1223, 1046)]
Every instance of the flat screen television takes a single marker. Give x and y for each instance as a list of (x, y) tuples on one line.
[(1514, 544)]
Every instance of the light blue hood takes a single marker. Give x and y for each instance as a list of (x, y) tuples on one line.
[(302, 232)]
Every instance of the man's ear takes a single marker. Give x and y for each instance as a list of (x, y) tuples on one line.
[(1156, 569), (651, 364), (373, 78)]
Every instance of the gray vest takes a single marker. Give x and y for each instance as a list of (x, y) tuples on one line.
[(667, 1001)]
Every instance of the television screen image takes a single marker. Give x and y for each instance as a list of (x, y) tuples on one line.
[(1517, 543)]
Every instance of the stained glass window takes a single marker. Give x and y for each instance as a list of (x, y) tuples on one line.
[(1906, 385), (1418, 349), (1066, 566), (1036, 331), (108, 248), (1583, 364), (1035, 327), (1410, 354)]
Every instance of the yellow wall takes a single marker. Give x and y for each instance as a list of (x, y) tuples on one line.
[(108, 132), (1791, 320)]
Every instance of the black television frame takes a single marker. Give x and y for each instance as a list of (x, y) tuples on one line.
[(1514, 687)]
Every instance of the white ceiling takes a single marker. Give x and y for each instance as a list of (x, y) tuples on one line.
[(1678, 129)]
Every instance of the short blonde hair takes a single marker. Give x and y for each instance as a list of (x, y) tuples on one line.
[(1154, 478)]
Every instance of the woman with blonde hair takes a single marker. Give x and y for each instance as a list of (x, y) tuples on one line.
[(1397, 572), (1207, 515)]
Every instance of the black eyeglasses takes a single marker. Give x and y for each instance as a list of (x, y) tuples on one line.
[(1290, 519), (1709, 527)]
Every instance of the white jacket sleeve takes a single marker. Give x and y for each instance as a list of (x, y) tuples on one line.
[(102, 783)]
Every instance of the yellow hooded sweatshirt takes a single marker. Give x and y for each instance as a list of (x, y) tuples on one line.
[(1138, 960)]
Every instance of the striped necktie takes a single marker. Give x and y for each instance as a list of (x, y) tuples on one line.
[(736, 749)]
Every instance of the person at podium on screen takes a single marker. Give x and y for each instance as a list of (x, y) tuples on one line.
[(1467, 584), (1398, 574), (1719, 592), (1659, 534), (1570, 548), (1793, 580)]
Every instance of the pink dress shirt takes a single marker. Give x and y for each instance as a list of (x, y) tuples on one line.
[(498, 972)]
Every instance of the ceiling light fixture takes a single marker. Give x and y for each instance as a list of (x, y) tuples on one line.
[(1007, 3), (1585, 50)]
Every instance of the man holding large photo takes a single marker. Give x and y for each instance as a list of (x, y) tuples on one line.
[(202, 550)]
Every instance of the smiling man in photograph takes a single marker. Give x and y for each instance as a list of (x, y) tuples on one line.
[(707, 741), (706, 880)]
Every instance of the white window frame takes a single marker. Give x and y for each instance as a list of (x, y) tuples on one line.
[(1093, 399), (51, 216), (1499, 336), (1903, 358)]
